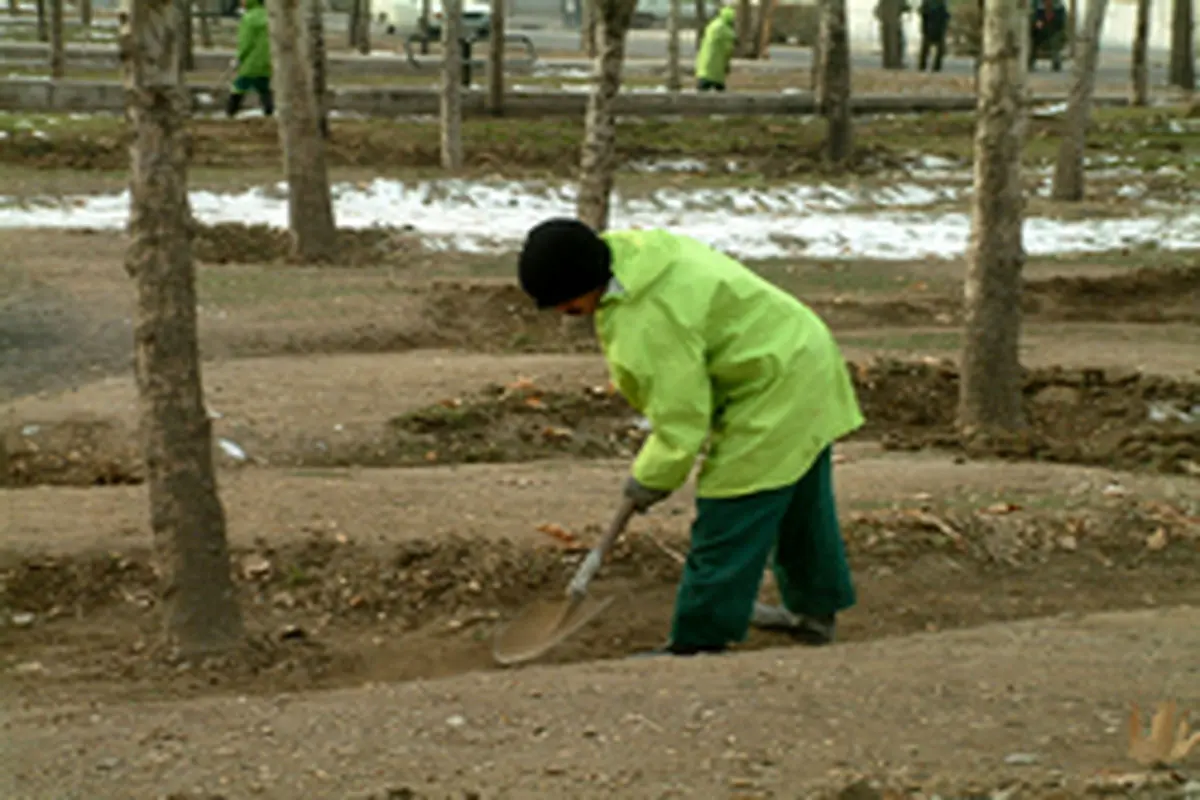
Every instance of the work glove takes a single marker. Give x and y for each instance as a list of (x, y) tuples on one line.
[(643, 497)]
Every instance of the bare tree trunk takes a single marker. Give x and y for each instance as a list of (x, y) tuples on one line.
[(589, 28), (352, 24), (206, 38), (186, 51), (833, 82), (818, 58), (990, 389), (14, 8), (319, 64), (674, 71), (743, 25), (43, 27), (310, 208), (364, 27), (201, 609), (1072, 28), (599, 162), (1183, 53), (889, 31), (1139, 93), (451, 106), (496, 59), (426, 13), (762, 29), (1068, 170), (701, 21), (58, 57), (85, 12)]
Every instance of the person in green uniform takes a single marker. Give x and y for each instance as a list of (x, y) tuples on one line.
[(709, 351), (716, 51), (253, 61)]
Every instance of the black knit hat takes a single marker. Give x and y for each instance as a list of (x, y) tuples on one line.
[(563, 259)]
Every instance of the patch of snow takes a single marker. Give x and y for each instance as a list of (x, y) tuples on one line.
[(820, 221), (670, 165)]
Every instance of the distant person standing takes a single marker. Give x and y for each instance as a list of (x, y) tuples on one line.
[(253, 61), (935, 21), (716, 51)]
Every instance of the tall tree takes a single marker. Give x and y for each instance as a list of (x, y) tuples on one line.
[(310, 207), (990, 390), (891, 33), (1182, 68), (496, 59), (85, 13), (426, 25), (589, 26), (315, 23), (201, 609), (58, 56), (14, 8), (1068, 170), (599, 162), (43, 27), (206, 12), (701, 21), (358, 28), (744, 27), (674, 71), (186, 50), (1139, 90), (832, 81), (451, 105)]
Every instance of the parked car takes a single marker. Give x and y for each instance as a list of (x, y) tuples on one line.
[(403, 18)]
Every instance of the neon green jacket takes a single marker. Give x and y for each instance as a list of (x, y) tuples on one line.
[(253, 42), (716, 49), (705, 348)]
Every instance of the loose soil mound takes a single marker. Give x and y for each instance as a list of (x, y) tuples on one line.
[(331, 610), (1124, 420), (1145, 295), (235, 243)]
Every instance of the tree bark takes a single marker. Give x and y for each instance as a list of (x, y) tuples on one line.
[(990, 388), (85, 12), (496, 59), (451, 104), (310, 208), (187, 53), (890, 34), (832, 75), (1183, 53), (762, 29), (589, 28), (200, 605), (315, 24), (701, 21), (58, 58), (352, 24), (1139, 90), (426, 13), (743, 25), (1068, 170), (1072, 28), (14, 9), (206, 38), (364, 27), (43, 26), (674, 70), (599, 161)]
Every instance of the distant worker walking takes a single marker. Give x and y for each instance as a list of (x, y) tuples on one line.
[(253, 61), (935, 21), (716, 52)]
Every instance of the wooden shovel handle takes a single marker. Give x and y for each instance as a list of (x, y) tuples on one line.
[(591, 564)]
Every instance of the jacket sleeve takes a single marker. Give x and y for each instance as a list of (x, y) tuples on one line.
[(666, 378)]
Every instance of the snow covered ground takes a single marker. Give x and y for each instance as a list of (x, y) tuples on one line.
[(899, 221)]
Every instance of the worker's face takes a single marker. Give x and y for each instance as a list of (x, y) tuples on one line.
[(583, 306)]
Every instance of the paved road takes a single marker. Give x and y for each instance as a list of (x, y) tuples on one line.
[(1114, 66)]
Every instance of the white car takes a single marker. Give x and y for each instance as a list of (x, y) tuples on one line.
[(403, 18)]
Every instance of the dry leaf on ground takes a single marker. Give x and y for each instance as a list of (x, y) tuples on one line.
[(559, 534), (1169, 741)]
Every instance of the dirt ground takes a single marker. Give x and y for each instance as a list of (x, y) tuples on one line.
[(408, 456)]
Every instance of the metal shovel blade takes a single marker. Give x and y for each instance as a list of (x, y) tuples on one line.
[(544, 624)]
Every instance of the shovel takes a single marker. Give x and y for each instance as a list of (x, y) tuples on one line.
[(547, 622)]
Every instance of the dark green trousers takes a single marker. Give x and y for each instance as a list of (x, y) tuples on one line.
[(794, 528)]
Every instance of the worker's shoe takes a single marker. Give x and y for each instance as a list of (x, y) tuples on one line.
[(813, 631)]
